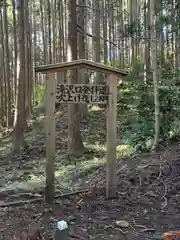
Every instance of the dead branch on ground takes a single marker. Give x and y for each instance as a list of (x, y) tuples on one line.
[(61, 196)]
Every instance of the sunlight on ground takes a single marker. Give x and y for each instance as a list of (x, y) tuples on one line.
[(70, 170), (96, 146), (92, 163), (68, 174), (5, 146), (125, 90), (94, 108), (60, 171), (33, 184), (63, 170), (59, 113), (6, 140), (41, 117), (85, 165), (124, 150)]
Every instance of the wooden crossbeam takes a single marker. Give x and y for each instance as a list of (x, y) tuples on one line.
[(82, 63)]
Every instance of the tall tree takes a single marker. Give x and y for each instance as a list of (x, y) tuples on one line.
[(49, 30), (2, 75), (81, 48), (20, 114), (28, 58), (105, 31), (155, 77), (75, 143), (15, 48), (6, 63), (96, 36)]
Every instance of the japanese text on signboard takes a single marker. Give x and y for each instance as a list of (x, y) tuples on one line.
[(81, 93)]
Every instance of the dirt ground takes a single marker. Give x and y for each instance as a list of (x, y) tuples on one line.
[(148, 191), (148, 199)]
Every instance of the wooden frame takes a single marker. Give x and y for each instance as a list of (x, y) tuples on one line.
[(82, 63), (114, 74), (50, 126)]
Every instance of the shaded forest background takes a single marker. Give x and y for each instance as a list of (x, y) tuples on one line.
[(141, 36)]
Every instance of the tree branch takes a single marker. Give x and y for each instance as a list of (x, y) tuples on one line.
[(80, 30)]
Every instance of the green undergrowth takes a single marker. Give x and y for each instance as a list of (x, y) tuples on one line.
[(134, 134), (27, 170)]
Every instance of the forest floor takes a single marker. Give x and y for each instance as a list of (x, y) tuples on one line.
[(148, 187)]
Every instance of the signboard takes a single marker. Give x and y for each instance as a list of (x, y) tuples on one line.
[(82, 93)]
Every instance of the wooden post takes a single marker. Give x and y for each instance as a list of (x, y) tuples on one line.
[(111, 184), (50, 135)]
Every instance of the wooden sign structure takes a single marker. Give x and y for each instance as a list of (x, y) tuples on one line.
[(81, 93)]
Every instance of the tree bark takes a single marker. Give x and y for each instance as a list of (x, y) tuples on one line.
[(75, 143), (20, 114), (155, 78), (83, 110), (6, 64), (15, 49), (96, 39)]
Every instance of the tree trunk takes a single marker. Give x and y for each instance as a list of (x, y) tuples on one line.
[(83, 110), (105, 32), (121, 25), (43, 33), (155, 78), (15, 49), (75, 143), (96, 39), (2, 76), (6, 64), (20, 115), (49, 31), (60, 42), (28, 57)]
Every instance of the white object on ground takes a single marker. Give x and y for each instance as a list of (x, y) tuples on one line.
[(61, 225), (122, 223)]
